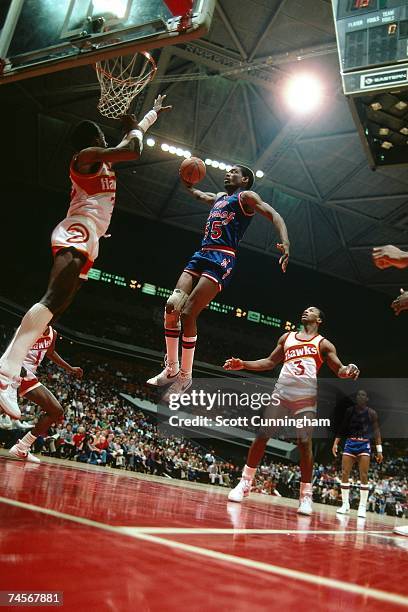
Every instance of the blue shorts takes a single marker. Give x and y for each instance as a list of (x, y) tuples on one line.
[(217, 265), (356, 447)]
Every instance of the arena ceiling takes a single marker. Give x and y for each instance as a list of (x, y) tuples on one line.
[(226, 91)]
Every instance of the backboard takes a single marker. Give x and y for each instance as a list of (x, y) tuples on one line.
[(41, 36)]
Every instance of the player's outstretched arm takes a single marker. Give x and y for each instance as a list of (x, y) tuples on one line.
[(59, 361), (131, 146), (203, 196), (335, 446), (329, 352), (260, 365), (253, 203), (377, 435), (388, 256)]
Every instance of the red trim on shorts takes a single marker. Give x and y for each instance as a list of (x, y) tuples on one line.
[(212, 278), (28, 385), (192, 273)]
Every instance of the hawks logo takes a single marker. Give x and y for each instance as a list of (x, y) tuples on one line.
[(301, 351), (79, 233), (225, 262)]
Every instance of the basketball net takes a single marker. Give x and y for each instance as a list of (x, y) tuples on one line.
[(121, 81)]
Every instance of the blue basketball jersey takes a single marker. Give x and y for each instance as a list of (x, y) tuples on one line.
[(226, 223)]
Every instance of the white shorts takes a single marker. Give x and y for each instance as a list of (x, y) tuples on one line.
[(297, 400), (79, 233)]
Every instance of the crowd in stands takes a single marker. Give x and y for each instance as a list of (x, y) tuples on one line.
[(102, 428)]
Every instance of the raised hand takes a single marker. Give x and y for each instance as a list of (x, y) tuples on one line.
[(158, 105)]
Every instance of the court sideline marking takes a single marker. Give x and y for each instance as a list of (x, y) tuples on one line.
[(332, 583)]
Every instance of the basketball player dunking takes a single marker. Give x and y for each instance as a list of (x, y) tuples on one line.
[(386, 257), (302, 354), (210, 269), (36, 392), (75, 241), (359, 425)]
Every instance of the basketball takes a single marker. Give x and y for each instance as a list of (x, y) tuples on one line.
[(192, 170)]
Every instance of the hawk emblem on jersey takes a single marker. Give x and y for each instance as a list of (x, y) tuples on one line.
[(79, 233), (225, 262)]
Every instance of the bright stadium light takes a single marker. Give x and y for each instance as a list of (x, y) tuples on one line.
[(259, 174), (215, 164), (208, 161), (187, 154), (165, 147), (228, 167), (303, 93), (222, 166), (179, 152), (150, 142), (172, 150)]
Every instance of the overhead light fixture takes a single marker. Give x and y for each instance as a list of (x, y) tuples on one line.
[(179, 152), (150, 142), (259, 174), (404, 131), (376, 106), (215, 164), (401, 105), (187, 154), (387, 145), (165, 147), (208, 161), (222, 166), (383, 131), (172, 150), (303, 93), (228, 167)]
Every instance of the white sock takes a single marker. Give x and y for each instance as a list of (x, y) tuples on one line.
[(28, 440), (32, 326), (305, 489), (364, 494), (187, 353), (345, 493), (172, 335), (248, 473)]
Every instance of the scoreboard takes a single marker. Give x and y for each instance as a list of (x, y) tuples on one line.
[(372, 39)]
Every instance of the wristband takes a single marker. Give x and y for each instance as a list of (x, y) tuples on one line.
[(379, 448), (148, 120), (136, 135)]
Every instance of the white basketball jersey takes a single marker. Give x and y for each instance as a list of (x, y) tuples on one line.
[(93, 195), (302, 357), (37, 352)]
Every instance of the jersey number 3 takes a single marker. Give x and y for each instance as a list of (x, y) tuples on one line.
[(300, 368)]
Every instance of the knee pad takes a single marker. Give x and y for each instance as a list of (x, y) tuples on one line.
[(177, 299)]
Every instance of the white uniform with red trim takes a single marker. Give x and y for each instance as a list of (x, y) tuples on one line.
[(34, 358), (297, 382), (89, 214)]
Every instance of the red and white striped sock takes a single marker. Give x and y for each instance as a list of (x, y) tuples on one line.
[(187, 354)]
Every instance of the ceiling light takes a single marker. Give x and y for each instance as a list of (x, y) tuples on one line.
[(259, 174), (303, 93), (172, 150), (222, 166), (228, 167), (387, 145), (186, 154), (208, 161), (401, 105), (215, 164), (383, 131), (165, 147), (150, 142), (179, 152), (404, 131), (376, 106)]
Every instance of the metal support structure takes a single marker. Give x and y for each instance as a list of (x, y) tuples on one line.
[(9, 27), (265, 32), (250, 121), (227, 23)]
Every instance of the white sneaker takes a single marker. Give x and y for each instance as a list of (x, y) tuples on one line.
[(182, 382), (165, 377), (344, 509), (8, 396), (18, 451), (242, 490), (401, 530), (362, 512), (306, 505)]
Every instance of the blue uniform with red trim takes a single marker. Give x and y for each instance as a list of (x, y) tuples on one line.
[(358, 429), (225, 227)]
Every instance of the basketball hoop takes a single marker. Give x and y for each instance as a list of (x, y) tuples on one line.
[(122, 79)]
